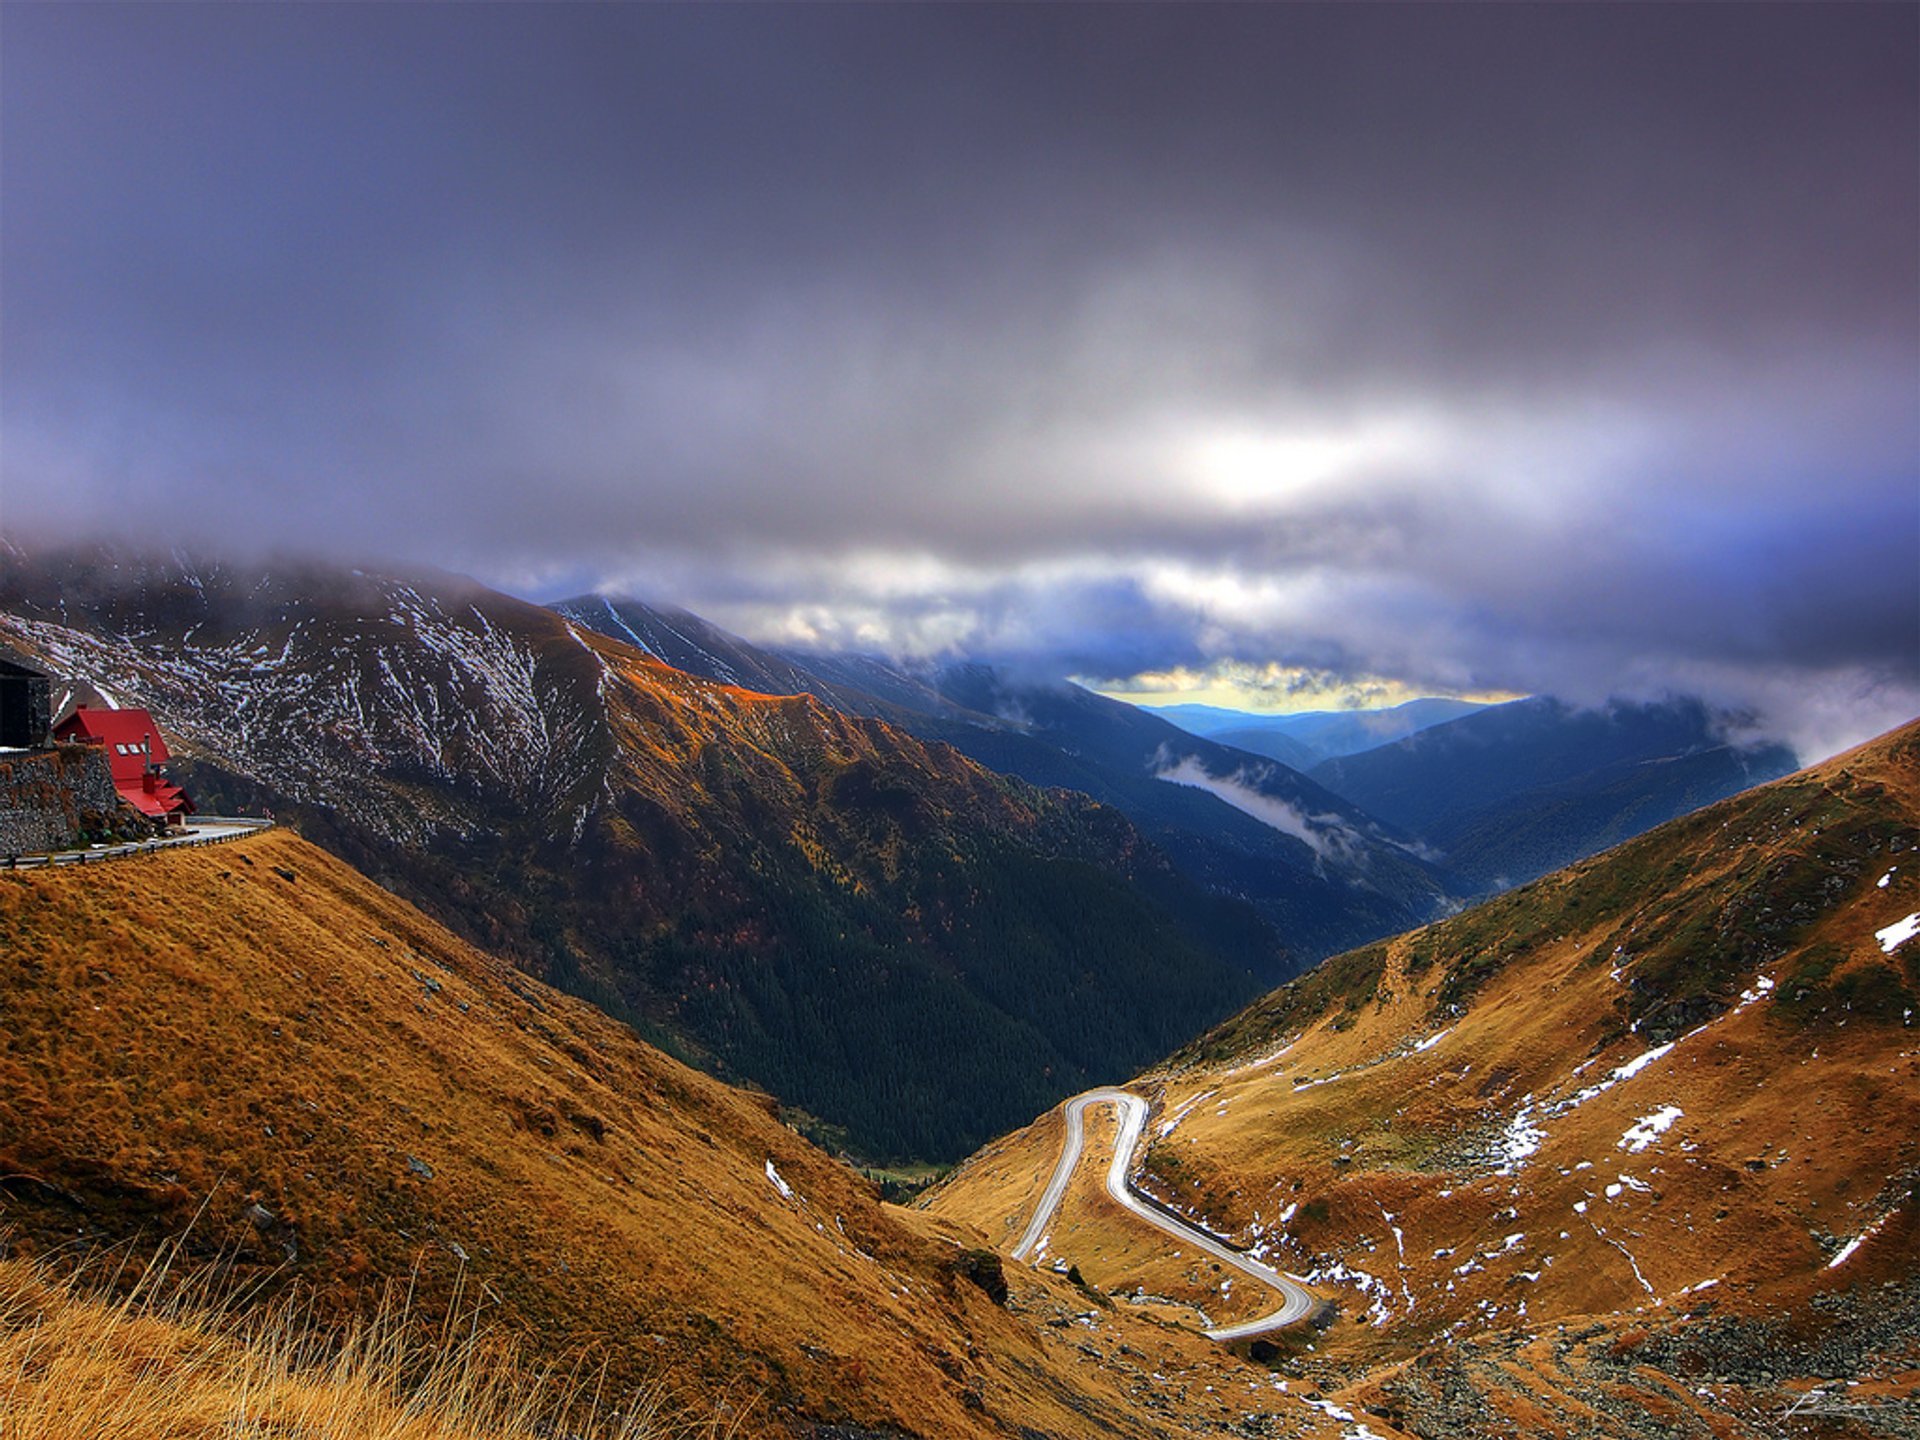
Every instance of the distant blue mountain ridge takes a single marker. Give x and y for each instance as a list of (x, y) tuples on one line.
[(1305, 738)]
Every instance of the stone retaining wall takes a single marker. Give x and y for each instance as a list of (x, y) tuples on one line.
[(52, 799)]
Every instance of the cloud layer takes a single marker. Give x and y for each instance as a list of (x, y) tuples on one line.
[(1515, 348), (1328, 836)]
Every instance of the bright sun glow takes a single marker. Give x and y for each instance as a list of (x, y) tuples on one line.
[(1276, 689), (1255, 469)]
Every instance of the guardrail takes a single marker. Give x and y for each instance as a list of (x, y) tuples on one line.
[(234, 827)]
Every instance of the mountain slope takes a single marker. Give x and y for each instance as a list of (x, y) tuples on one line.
[(1515, 790), (1320, 872), (686, 642), (324, 1091), (875, 928), (1261, 740), (1648, 1117)]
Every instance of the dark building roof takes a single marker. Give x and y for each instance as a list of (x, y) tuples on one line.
[(25, 703)]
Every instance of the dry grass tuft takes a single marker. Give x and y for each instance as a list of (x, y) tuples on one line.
[(194, 1357)]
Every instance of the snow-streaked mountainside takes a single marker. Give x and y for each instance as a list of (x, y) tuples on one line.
[(686, 642), (1318, 869), (426, 706), (872, 926)]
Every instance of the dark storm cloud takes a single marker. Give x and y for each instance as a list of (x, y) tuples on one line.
[(1503, 343)]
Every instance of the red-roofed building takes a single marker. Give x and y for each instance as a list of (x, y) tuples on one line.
[(135, 752)]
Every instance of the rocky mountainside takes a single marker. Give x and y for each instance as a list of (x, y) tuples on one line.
[(1627, 1151), (326, 1093), (1323, 874), (687, 642), (884, 934), (1513, 791)]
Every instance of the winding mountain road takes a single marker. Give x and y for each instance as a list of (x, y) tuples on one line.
[(1296, 1301), (205, 830)]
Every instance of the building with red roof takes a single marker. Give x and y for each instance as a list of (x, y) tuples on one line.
[(136, 754)]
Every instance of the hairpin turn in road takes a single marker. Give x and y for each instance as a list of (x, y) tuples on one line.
[(1297, 1301)]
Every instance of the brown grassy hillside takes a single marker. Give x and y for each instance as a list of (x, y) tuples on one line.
[(176, 1360), (1632, 1147), (351, 1095)]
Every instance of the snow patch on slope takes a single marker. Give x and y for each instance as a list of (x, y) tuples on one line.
[(1649, 1128), (773, 1175), (1898, 933)]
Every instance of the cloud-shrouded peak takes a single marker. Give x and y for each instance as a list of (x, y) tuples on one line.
[(1445, 349)]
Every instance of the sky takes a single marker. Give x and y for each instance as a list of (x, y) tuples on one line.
[(1308, 354)]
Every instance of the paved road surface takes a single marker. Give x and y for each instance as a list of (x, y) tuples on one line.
[(204, 830), (1296, 1301)]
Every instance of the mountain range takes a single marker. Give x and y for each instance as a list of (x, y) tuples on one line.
[(1304, 738), (1320, 871), (1339, 827), (1620, 1152), (894, 940), (917, 902), (1512, 791)]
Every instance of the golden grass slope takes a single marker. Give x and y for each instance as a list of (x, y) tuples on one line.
[(353, 1095), (1652, 1116), (179, 1360)]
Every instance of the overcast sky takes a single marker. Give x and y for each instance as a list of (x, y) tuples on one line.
[(1359, 350)]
